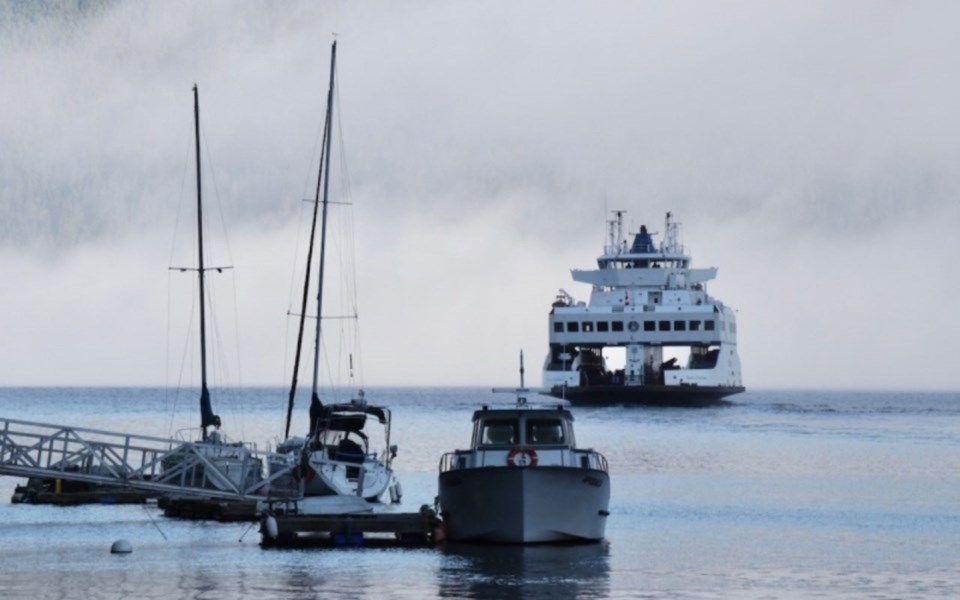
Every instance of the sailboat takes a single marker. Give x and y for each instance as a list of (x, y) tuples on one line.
[(213, 461), (338, 456)]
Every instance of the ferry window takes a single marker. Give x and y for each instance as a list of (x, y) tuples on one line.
[(603, 326), (558, 327), (617, 325), (587, 326), (499, 432), (708, 325), (733, 327), (544, 431), (679, 325), (573, 327), (694, 325), (649, 325), (664, 326)]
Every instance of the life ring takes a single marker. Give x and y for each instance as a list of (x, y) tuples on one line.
[(522, 456)]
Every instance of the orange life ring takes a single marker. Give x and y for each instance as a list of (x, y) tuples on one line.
[(521, 456)]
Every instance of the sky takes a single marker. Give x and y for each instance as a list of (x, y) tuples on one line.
[(808, 148)]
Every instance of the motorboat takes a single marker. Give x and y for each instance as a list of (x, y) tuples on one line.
[(524, 480)]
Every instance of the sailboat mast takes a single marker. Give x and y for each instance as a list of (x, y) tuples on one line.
[(306, 286), (203, 323), (323, 227), (207, 417)]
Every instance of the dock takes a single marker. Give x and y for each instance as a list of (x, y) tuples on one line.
[(373, 529), (214, 509), (106, 460), (59, 492)]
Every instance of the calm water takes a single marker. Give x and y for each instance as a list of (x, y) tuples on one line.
[(779, 495)]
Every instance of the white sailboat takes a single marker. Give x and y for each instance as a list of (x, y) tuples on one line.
[(212, 461), (338, 456)]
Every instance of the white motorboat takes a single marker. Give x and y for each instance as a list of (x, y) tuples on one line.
[(524, 480), (646, 303)]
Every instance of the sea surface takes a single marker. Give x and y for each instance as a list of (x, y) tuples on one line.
[(780, 494)]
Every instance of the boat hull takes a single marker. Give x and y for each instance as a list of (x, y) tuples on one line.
[(524, 505), (646, 395)]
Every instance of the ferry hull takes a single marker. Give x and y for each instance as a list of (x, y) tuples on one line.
[(524, 505), (646, 395)]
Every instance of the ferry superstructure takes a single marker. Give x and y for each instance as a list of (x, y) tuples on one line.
[(646, 299)]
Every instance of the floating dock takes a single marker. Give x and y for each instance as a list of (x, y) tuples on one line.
[(215, 509), (61, 492), (376, 529)]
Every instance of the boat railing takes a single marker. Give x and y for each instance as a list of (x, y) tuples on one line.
[(454, 460), (591, 459), (585, 459)]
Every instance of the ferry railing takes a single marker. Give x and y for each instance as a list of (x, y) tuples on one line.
[(229, 471)]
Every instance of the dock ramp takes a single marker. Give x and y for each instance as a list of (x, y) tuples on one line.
[(186, 469)]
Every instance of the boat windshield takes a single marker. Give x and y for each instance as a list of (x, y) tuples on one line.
[(544, 431), (499, 432)]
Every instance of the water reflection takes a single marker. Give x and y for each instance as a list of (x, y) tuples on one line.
[(556, 572)]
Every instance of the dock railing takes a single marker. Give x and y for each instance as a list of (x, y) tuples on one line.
[(198, 469)]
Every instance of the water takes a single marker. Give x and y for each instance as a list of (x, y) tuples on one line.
[(778, 495)]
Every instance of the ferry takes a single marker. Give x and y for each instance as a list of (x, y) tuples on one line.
[(649, 310)]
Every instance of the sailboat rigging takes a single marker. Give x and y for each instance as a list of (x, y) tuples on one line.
[(324, 152)]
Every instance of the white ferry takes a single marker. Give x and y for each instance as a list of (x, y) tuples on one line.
[(649, 311)]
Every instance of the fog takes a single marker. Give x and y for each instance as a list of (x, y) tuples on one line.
[(808, 149)]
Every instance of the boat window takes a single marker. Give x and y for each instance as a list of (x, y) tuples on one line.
[(573, 327), (708, 325), (617, 325), (649, 326), (499, 432), (587, 326), (558, 327), (544, 431), (733, 327), (694, 325), (664, 326), (603, 326), (679, 325)]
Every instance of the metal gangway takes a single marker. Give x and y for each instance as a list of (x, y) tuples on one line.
[(220, 470)]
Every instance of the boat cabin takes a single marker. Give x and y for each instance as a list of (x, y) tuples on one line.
[(508, 428), (522, 437), (342, 431)]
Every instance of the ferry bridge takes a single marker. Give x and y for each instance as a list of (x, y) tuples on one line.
[(185, 469)]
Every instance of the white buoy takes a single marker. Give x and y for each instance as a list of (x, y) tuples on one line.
[(270, 528), (121, 547)]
